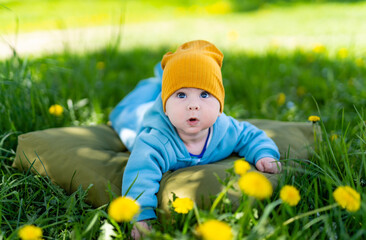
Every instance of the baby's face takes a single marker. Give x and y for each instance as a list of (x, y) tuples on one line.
[(192, 110)]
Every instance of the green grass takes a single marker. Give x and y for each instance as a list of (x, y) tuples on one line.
[(328, 83), (89, 86)]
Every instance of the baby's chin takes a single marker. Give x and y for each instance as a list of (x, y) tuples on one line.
[(192, 131)]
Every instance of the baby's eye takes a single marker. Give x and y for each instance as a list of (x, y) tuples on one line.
[(205, 94), (181, 95)]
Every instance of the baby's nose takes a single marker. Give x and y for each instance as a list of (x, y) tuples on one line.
[(193, 106)]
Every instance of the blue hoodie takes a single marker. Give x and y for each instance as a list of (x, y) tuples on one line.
[(158, 149)]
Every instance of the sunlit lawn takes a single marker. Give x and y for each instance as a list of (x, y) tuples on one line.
[(152, 23)]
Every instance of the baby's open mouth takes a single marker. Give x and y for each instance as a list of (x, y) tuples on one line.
[(193, 121)]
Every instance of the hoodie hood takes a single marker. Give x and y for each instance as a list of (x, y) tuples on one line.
[(156, 119)]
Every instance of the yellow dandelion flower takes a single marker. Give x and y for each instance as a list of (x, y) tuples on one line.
[(183, 205), (215, 230), (333, 137), (319, 48), (314, 119), (290, 195), (233, 35), (281, 99), (100, 65), (343, 53), (274, 44), (256, 185), (219, 8), (241, 167), (359, 62), (347, 198), (30, 232), (123, 209), (56, 110)]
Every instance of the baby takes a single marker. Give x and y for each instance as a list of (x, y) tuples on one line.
[(183, 126)]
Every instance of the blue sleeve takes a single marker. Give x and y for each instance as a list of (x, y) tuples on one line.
[(254, 144), (126, 117), (146, 164)]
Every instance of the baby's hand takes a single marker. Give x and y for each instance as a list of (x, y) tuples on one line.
[(269, 165), (138, 231)]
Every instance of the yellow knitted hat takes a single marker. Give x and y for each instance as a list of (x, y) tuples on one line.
[(195, 64)]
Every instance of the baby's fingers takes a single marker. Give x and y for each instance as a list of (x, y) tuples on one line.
[(273, 167), (260, 166)]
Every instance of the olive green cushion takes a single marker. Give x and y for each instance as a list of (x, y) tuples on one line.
[(74, 156)]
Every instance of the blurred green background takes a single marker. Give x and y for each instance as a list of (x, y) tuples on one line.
[(251, 25)]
